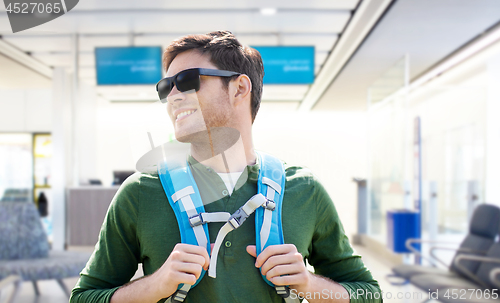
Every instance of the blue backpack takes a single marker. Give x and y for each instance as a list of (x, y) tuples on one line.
[(184, 198)]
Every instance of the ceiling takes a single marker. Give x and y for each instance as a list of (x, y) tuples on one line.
[(158, 22), (19, 75), (357, 42), (425, 30)]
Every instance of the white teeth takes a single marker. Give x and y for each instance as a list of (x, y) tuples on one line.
[(184, 114)]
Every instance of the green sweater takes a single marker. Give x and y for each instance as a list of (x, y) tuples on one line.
[(140, 227)]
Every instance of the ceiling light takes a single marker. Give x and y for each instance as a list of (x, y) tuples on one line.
[(268, 11)]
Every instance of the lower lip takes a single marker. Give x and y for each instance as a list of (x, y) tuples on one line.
[(183, 117)]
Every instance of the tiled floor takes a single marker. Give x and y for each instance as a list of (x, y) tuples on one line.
[(51, 292), (392, 294)]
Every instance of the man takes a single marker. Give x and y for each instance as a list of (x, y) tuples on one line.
[(213, 90)]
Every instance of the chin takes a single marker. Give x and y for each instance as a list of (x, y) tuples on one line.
[(183, 138), (189, 135)]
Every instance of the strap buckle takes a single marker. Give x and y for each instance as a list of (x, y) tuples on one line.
[(237, 218), (196, 220), (179, 296), (270, 204)]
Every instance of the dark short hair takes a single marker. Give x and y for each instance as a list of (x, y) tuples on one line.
[(226, 53)]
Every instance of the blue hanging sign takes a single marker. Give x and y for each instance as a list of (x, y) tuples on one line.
[(128, 65), (287, 64)]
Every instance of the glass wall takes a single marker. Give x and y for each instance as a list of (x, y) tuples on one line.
[(453, 152), (453, 117), (387, 138)]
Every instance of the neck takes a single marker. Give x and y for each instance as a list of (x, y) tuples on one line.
[(225, 150)]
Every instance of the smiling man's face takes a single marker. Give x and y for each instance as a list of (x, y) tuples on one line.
[(191, 111)]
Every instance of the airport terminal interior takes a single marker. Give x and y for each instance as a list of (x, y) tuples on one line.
[(394, 106)]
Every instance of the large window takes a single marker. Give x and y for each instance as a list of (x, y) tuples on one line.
[(25, 171), (16, 167)]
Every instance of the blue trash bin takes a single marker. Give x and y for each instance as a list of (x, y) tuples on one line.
[(402, 224)]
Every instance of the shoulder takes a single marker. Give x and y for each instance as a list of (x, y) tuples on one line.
[(301, 177), (298, 173), (303, 184), (139, 181), (134, 188)]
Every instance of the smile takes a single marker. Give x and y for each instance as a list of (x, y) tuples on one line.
[(184, 114)]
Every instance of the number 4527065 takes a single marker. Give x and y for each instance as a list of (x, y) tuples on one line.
[(472, 293), (32, 8)]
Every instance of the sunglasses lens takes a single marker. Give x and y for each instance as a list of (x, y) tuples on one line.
[(188, 80), (164, 88)]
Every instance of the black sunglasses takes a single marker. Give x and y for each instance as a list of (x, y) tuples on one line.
[(188, 79)]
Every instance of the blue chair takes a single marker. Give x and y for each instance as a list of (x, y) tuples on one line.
[(483, 229), (474, 285), (24, 249)]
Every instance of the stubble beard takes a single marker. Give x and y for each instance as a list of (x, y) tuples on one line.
[(212, 118)]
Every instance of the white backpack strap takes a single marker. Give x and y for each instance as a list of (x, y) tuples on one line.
[(204, 218), (188, 205), (184, 198), (268, 220), (196, 220), (234, 221), (212, 270), (272, 189), (290, 300)]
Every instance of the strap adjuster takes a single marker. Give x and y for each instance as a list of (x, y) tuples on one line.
[(196, 220), (179, 296), (283, 291), (270, 204)]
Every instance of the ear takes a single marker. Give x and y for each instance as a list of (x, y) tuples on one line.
[(241, 89)]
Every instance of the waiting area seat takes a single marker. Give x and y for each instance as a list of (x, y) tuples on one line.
[(24, 249), (475, 287), (472, 275), (6, 282)]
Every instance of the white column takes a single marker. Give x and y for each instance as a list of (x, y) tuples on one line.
[(492, 190), (61, 160), (75, 96), (433, 208), (86, 134)]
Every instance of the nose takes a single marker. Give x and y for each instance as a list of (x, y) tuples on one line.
[(175, 96)]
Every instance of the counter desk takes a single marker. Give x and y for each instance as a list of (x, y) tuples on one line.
[(86, 207)]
